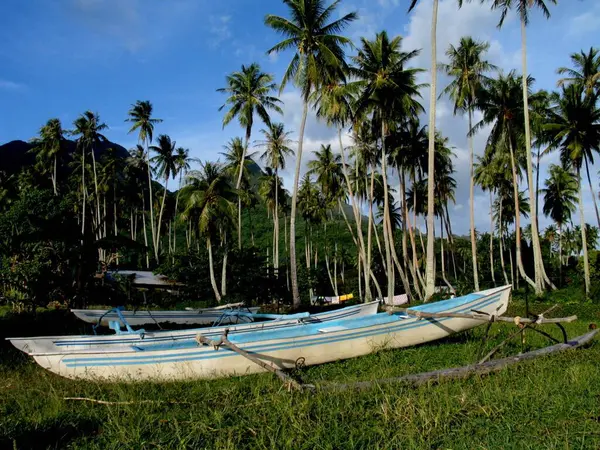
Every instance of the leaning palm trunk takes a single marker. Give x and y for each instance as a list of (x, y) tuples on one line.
[(587, 169), (386, 212), (412, 265), (472, 208), (355, 210), (370, 228), (442, 255), (430, 274), (224, 272), (518, 218), (145, 231), (54, 177), (276, 220), (541, 279), (586, 263), (294, 272), (400, 269), (211, 269), (239, 183), (83, 192)]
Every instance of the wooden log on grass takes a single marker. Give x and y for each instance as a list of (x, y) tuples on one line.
[(289, 382), (465, 371)]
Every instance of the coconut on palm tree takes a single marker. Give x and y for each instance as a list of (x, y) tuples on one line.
[(318, 53), (140, 117), (249, 93), (467, 68)]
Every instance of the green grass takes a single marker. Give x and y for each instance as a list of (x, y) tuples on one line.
[(547, 403)]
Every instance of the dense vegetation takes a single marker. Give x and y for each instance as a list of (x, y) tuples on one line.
[(72, 208)]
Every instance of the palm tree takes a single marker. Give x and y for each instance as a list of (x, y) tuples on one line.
[(560, 198), (50, 146), (249, 93), (574, 123), (389, 89), (467, 68), (502, 107), (137, 170), (182, 166), (276, 145), (318, 54), (585, 71), (522, 7), (140, 116), (166, 167), (208, 198), (88, 127)]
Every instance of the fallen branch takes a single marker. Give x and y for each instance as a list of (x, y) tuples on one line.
[(462, 372), (289, 382)]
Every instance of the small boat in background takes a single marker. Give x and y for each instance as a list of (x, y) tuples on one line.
[(311, 344), (67, 344), (205, 316)]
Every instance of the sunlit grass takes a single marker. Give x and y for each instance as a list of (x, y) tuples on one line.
[(547, 403)]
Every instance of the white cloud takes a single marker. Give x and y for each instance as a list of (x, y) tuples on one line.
[(11, 85), (584, 23), (220, 29)]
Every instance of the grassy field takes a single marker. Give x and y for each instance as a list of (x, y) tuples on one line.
[(548, 403)]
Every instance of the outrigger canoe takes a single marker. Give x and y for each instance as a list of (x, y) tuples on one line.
[(310, 344), (67, 344), (145, 317)]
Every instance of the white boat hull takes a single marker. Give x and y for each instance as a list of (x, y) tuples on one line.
[(309, 344), (68, 344), (144, 317)]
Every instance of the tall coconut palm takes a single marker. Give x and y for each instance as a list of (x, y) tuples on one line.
[(140, 117), (585, 71), (249, 93), (523, 8), (389, 89), (502, 107), (318, 52), (467, 68), (166, 167), (208, 198), (182, 166), (50, 147), (560, 201), (575, 126), (276, 146), (88, 127)]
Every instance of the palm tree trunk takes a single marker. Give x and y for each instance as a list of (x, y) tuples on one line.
[(406, 225), (83, 192), (587, 169), (501, 235), (518, 217), (386, 213), (512, 268), (430, 274), (472, 201), (586, 262), (54, 177), (285, 239), (450, 239), (560, 263), (355, 210), (400, 269), (358, 264), (442, 255), (276, 220), (370, 228), (224, 269), (98, 223), (211, 269), (540, 273), (492, 239), (160, 215), (145, 232), (151, 204), (294, 272)]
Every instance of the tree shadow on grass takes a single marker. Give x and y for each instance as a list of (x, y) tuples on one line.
[(55, 433)]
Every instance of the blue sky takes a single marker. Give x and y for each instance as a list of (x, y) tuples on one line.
[(59, 58)]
